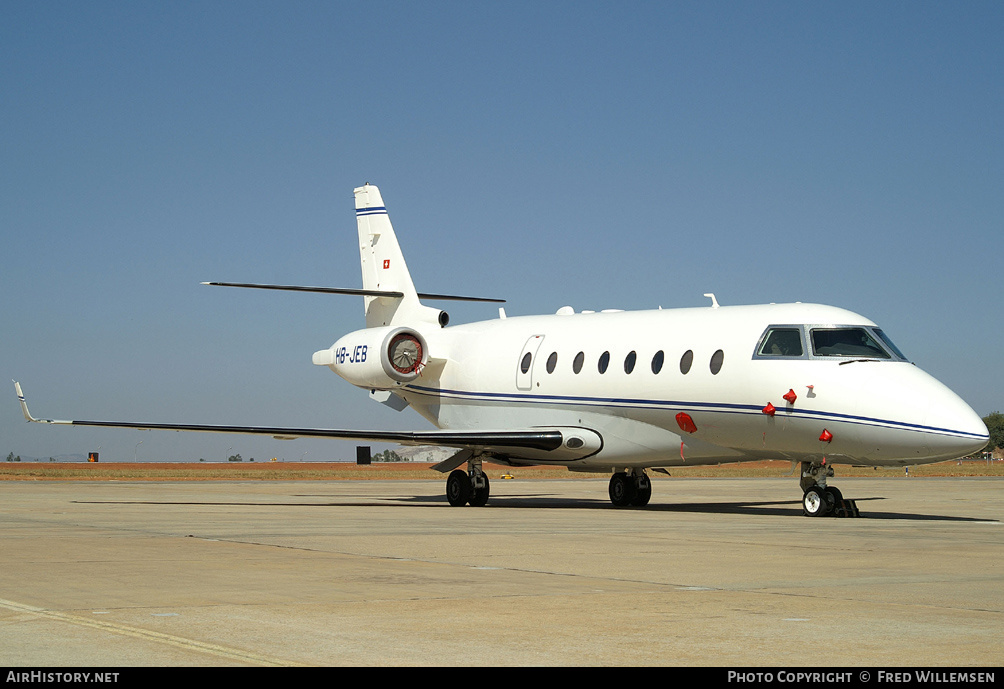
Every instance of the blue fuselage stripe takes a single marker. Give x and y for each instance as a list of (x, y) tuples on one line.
[(680, 405)]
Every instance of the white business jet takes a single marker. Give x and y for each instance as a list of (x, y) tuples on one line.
[(625, 392)]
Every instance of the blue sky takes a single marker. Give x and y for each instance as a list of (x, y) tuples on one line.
[(601, 155)]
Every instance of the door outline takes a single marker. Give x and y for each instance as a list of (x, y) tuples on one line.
[(524, 381)]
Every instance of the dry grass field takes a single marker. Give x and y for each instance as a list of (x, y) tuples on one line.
[(342, 471)]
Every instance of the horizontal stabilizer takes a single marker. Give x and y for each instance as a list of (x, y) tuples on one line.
[(358, 292)]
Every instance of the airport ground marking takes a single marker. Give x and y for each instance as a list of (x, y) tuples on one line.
[(148, 635)]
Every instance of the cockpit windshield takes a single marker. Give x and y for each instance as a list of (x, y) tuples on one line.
[(889, 344), (856, 342), (825, 341)]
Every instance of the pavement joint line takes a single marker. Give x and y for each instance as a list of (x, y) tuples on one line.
[(769, 591), (149, 635)]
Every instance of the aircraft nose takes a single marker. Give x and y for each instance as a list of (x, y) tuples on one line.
[(959, 430)]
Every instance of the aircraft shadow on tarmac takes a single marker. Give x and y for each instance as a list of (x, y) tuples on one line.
[(552, 501), (745, 507)]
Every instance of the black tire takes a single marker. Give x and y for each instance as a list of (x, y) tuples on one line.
[(458, 488), (831, 500), (642, 496), (835, 500), (479, 496), (815, 503), (622, 489)]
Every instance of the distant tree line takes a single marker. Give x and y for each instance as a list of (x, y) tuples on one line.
[(387, 456), (995, 424), (12, 458)]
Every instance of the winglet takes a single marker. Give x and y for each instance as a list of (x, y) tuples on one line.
[(24, 405), (27, 414)]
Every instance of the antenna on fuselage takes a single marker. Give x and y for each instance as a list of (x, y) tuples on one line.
[(711, 296)]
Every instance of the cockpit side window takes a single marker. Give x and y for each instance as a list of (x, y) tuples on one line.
[(846, 342), (782, 342)]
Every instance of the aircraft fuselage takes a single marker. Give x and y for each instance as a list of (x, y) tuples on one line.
[(702, 362)]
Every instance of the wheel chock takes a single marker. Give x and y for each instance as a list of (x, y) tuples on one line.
[(846, 508)]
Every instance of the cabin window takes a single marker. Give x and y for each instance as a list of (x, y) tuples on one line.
[(604, 362), (577, 362), (716, 362), (524, 365), (854, 342), (782, 342), (629, 362), (686, 361), (552, 361), (657, 361)]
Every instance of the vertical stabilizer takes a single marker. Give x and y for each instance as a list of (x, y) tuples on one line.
[(383, 265)]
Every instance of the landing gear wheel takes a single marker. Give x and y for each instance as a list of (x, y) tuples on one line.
[(622, 489), (642, 495), (816, 502), (479, 496), (835, 501), (458, 488), (830, 499)]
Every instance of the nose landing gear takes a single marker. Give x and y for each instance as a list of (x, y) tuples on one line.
[(820, 500)]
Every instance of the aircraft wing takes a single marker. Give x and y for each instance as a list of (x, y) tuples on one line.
[(546, 443)]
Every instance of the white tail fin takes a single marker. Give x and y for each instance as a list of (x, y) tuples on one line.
[(383, 266)]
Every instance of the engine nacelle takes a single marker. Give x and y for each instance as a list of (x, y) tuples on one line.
[(377, 358)]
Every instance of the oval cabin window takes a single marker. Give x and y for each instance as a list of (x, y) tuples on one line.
[(657, 361), (716, 362), (686, 361), (552, 361), (629, 362), (604, 361), (524, 365)]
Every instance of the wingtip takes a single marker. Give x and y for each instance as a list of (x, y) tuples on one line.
[(20, 399)]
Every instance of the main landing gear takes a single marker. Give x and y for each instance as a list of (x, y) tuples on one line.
[(819, 499), (631, 488), (468, 487)]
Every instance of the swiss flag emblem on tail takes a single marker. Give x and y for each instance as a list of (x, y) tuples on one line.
[(386, 263)]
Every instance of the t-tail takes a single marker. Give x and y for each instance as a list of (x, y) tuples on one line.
[(390, 295), (384, 268)]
